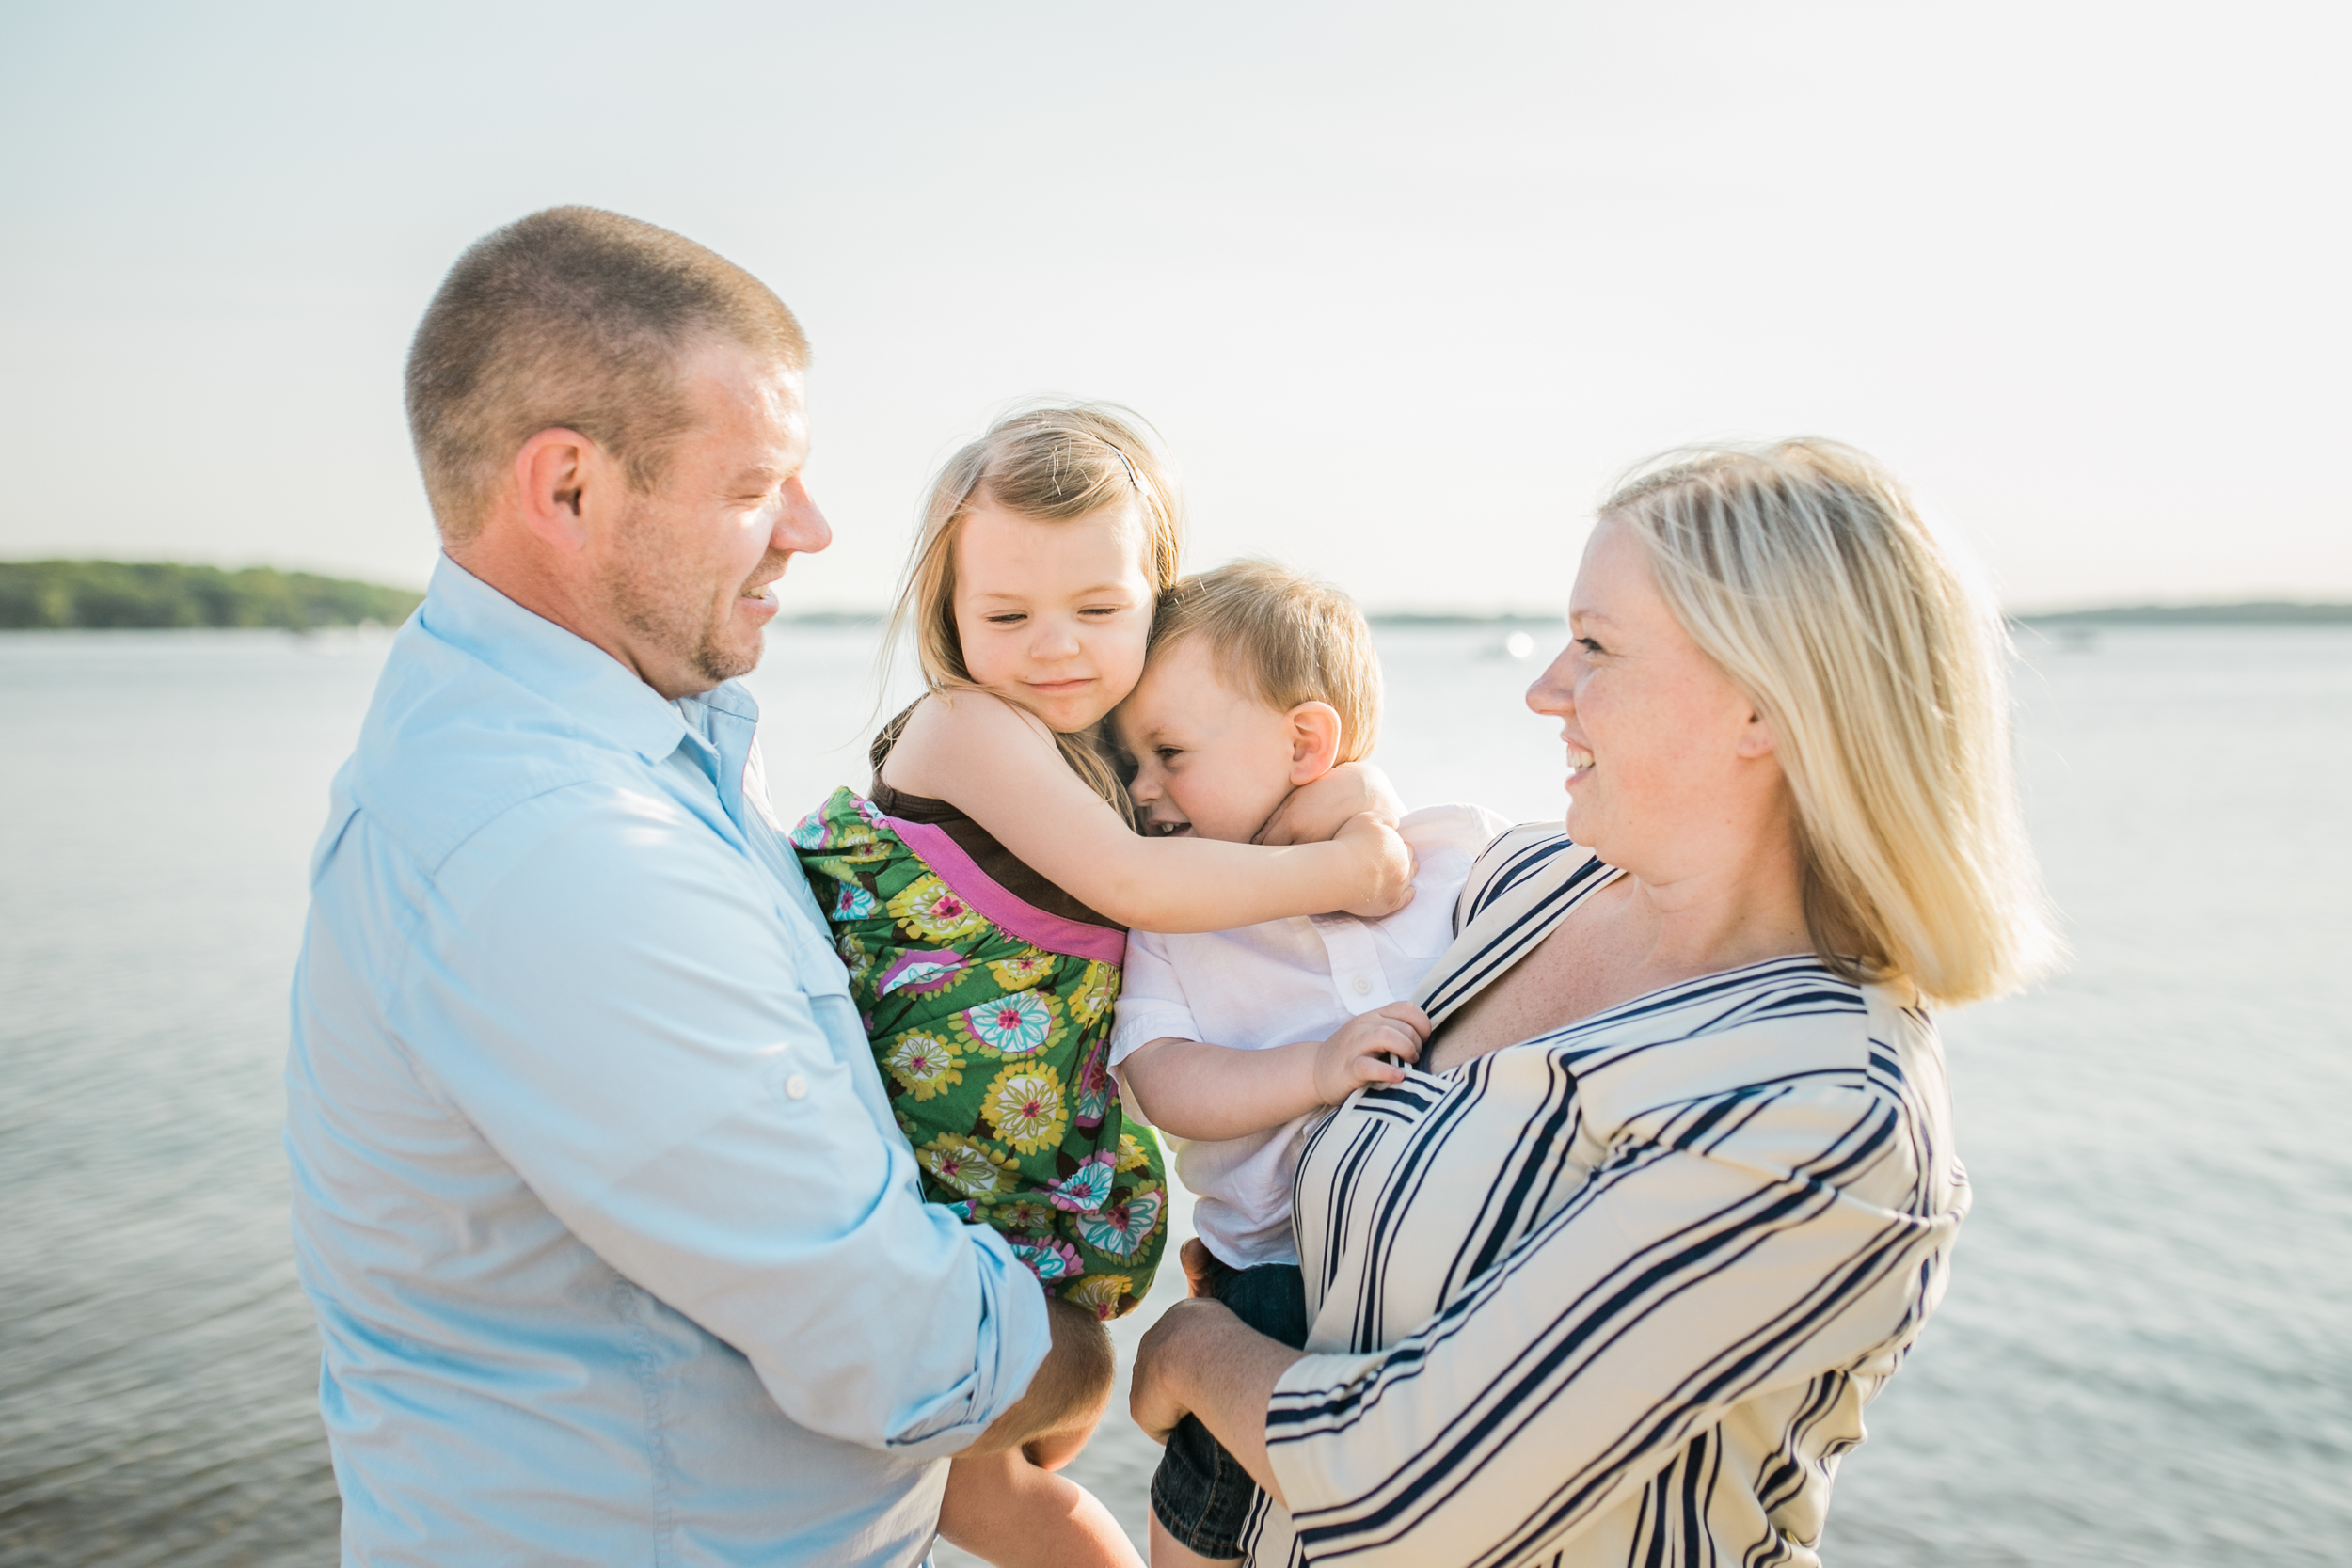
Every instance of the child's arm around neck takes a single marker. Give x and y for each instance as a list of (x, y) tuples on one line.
[(999, 765)]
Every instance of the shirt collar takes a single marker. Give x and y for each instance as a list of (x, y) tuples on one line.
[(597, 690)]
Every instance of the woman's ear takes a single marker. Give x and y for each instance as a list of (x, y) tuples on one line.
[(1756, 740), (1315, 741)]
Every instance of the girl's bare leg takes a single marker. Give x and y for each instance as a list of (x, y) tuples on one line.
[(1002, 1508)]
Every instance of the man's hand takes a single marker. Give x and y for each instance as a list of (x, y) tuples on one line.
[(1067, 1397), (1315, 811), (1387, 862), (1352, 1056)]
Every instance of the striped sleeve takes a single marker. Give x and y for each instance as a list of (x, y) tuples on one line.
[(1750, 1239)]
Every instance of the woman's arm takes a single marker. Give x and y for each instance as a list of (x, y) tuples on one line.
[(1678, 1282), (1000, 766), (1196, 1091)]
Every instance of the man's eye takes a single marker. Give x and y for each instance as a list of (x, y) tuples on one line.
[(1588, 644)]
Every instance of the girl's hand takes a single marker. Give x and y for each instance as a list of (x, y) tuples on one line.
[(1315, 811), (1352, 1058), (1387, 862)]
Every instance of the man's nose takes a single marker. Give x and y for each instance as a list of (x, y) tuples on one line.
[(800, 527)]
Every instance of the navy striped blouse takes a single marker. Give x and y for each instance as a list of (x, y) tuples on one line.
[(1617, 1295)]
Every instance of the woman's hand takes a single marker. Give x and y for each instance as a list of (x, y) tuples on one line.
[(1201, 1268), (1352, 1058), (1156, 1396), (1315, 811), (1387, 862), (1201, 1360)]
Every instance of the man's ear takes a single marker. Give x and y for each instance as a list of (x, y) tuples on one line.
[(551, 473), (1315, 741)]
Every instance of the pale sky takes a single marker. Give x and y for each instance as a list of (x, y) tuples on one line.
[(1402, 287)]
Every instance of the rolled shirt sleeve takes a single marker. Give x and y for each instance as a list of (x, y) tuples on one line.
[(614, 1004)]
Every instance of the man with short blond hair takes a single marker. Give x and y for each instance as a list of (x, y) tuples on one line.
[(616, 1253)]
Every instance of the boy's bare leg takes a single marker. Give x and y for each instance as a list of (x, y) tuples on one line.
[(1168, 1553), (1004, 1508)]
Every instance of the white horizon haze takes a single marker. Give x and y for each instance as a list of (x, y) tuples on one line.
[(1400, 289)]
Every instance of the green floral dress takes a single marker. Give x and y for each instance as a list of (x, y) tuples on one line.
[(991, 1019)]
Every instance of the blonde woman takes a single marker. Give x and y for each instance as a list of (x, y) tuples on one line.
[(1671, 1190)]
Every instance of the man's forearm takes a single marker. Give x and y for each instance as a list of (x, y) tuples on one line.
[(1071, 1388)]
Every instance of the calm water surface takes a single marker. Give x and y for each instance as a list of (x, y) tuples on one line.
[(2146, 1357)]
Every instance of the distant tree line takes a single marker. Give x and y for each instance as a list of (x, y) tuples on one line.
[(2258, 612), (118, 594)]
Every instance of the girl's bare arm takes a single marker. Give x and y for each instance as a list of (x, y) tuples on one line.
[(1000, 766)]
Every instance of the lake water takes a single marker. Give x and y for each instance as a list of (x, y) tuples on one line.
[(2146, 1357)]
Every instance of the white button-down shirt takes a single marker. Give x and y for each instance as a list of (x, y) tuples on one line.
[(616, 1251), (1275, 984)]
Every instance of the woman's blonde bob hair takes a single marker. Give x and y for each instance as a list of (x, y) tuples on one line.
[(1804, 570), (1054, 464)]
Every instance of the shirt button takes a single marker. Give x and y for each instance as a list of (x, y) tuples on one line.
[(796, 1087), (1363, 987)]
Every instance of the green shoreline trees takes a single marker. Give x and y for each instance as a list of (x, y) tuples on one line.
[(103, 595), (117, 594)]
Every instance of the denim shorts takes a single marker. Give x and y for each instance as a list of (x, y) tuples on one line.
[(1198, 1494)]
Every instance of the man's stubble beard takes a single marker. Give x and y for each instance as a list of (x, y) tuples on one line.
[(653, 600)]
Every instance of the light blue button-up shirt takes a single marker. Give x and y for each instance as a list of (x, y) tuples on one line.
[(618, 1254)]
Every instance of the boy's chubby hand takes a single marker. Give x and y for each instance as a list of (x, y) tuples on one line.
[(1351, 1057), (1388, 866), (1317, 810)]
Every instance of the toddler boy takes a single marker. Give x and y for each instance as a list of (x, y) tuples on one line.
[(1260, 682)]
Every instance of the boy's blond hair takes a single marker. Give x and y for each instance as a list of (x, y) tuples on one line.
[(1284, 639)]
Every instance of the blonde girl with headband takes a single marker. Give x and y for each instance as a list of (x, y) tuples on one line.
[(982, 890)]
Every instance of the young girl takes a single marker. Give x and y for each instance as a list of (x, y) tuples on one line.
[(981, 892)]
